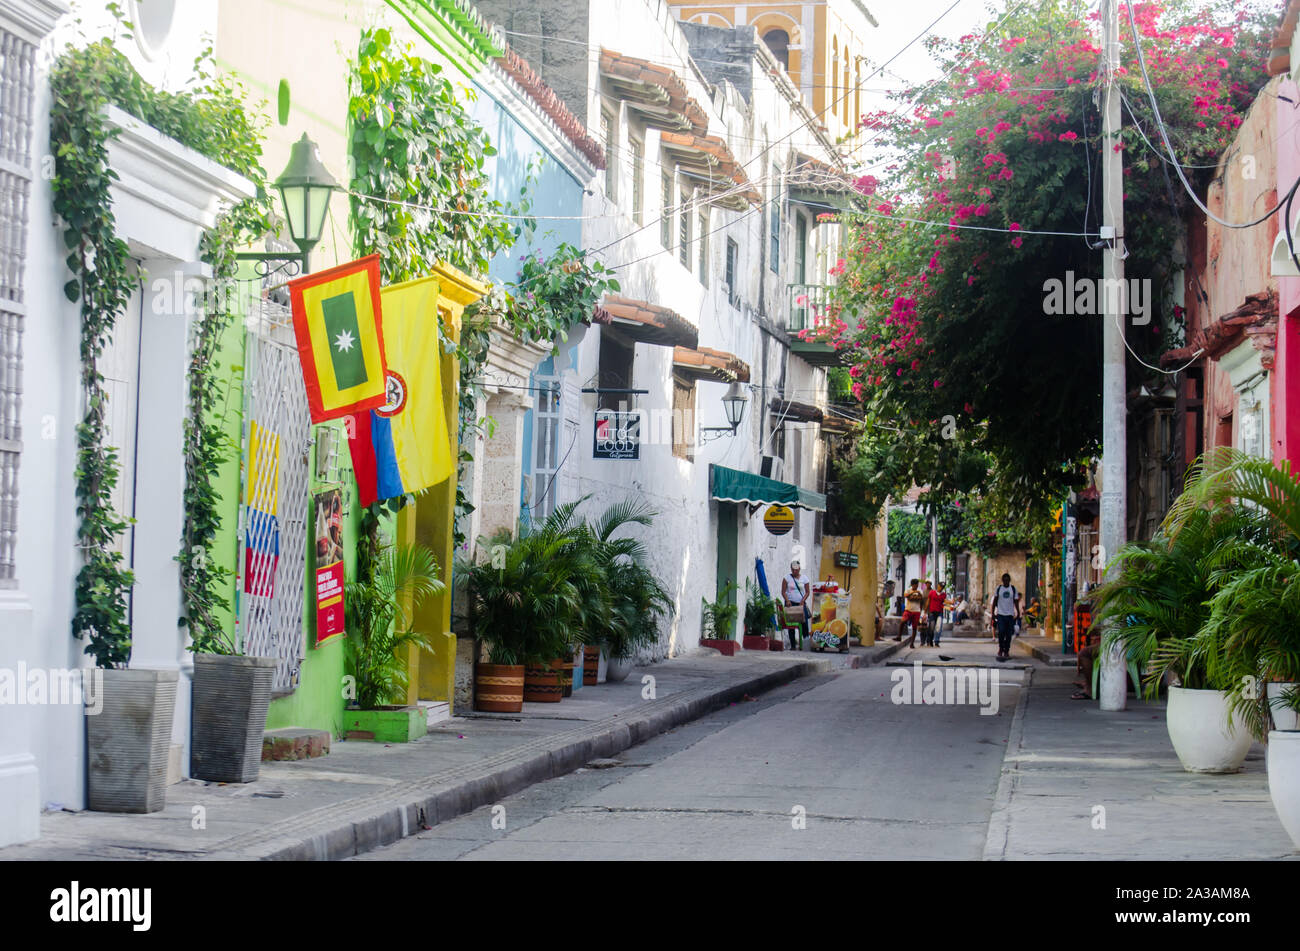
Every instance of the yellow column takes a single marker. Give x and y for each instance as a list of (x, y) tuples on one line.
[(433, 520)]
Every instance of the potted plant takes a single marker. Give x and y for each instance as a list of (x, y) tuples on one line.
[(761, 614), (719, 621), (228, 703), (625, 616), (1156, 611), (379, 612), (129, 725), (1252, 613), (525, 600)]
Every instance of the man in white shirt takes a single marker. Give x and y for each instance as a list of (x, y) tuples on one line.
[(1006, 612)]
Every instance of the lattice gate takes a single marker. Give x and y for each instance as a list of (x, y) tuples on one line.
[(276, 509)]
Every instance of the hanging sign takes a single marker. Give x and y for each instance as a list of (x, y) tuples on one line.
[(779, 519), (329, 564), (846, 559), (618, 435)]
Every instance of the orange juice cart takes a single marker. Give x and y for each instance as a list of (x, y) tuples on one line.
[(830, 627)]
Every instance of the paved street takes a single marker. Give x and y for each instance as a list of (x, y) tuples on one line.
[(874, 780)]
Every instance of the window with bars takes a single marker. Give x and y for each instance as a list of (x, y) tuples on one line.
[(546, 438), (637, 148), (666, 213), (684, 232), (775, 220), (703, 240), (733, 254), (17, 89), (609, 135)]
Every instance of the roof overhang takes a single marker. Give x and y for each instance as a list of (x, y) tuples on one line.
[(705, 364), (706, 161), (655, 93), (793, 412), (644, 322)]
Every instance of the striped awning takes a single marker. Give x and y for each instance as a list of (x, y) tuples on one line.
[(735, 485)]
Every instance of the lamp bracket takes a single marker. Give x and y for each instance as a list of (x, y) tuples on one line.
[(266, 263)]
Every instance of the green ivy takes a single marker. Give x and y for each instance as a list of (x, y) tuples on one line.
[(415, 148), (908, 533), (210, 119)]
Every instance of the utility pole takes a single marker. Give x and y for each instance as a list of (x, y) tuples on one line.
[(1113, 692)]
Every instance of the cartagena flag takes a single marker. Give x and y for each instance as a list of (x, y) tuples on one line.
[(336, 318), (403, 446)]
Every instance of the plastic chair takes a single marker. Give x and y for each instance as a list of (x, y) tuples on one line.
[(793, 623)]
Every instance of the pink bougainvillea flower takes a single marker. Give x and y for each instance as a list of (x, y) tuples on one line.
[(1068, 136), (1015, 226)]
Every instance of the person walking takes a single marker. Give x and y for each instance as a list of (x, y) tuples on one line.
[(912, 616), (938, 601), (1006, 613), (795, 589)]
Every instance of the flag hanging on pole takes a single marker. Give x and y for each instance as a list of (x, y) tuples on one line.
[(404, 446), (337, 321)]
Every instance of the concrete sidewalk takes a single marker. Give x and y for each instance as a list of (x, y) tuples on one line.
[(1078, 783), (364, 795)]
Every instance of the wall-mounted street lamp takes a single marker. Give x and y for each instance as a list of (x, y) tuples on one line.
[(305, 187), (733, 404)]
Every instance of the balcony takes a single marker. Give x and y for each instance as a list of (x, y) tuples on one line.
[(808, 305)]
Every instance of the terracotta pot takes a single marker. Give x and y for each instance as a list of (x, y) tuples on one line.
[(499, 688), (543, 685), (753, 642), (727, 648), (592, 666)]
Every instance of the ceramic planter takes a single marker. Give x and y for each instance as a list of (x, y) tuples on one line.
[(618, 669), (499, 688), (386, 724), (543, 685), (128, 739), (1284, 718), (1198, 727), (1284, 779), (228, 716)]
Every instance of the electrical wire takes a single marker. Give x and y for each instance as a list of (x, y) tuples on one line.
[(1164, 137)]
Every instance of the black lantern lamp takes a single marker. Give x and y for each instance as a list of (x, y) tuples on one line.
[(733, 404), (305, 187)]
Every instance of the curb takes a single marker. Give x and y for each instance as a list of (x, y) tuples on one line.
[(995, 842), (1052, 659), (361, 825)]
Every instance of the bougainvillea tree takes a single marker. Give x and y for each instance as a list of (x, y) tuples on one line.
[(969, 382)]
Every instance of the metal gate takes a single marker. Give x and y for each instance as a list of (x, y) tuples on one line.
[(273, 519)]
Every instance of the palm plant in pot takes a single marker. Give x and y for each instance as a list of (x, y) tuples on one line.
[(719, 620), (634, 602), (1156, 611), (1254, 612), (524, 601), (379, 612), (761, 613)]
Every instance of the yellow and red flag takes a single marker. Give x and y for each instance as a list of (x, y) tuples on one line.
[(338, 322), (404, 446)]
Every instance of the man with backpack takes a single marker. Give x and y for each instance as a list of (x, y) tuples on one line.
[(1006, 613)]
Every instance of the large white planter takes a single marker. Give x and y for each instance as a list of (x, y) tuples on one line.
[(1284, 779), (618, 669), (1198, 728), (1284, 718)]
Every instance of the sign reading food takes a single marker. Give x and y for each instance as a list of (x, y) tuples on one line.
[(779, 519), (329, 564)]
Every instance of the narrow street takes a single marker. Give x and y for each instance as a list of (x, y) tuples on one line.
[(873, 779)]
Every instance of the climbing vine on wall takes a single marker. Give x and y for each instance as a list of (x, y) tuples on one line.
[(210, 119), (421, 196)]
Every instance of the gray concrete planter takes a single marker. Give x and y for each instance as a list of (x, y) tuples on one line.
[(128, 740), (231, 694)]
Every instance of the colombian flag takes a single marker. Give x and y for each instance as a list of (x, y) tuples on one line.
[(337, 320), (403, 446)]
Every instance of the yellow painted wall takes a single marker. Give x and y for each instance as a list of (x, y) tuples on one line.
[(863, 583)]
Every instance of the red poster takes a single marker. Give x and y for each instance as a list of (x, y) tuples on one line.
[(329, 565)]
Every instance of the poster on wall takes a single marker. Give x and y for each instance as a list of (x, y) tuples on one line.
[(329, 564)]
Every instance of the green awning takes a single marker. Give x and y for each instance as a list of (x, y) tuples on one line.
[(733, 485)]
